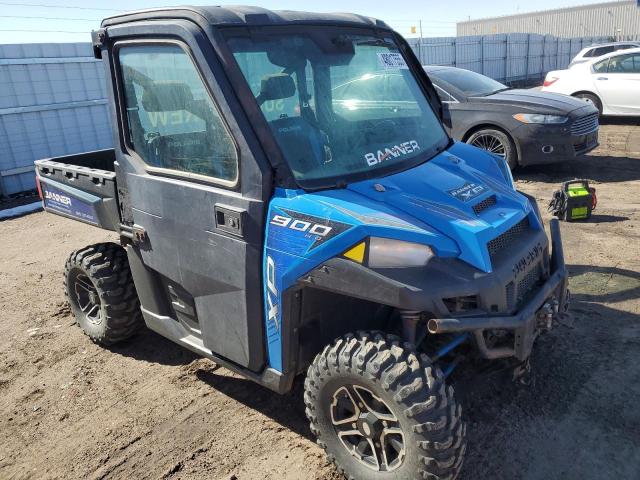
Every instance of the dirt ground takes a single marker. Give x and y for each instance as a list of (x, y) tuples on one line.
[(149, 409)]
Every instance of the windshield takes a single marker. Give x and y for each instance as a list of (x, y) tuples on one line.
[(342, 107), (470, 83)]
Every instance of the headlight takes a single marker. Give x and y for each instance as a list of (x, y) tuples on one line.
[(538, 118), (386, 253), (504, 169)]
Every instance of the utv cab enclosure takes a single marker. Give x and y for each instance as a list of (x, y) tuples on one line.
[(278, 229)]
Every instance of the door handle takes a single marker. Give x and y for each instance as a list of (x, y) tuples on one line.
[(229, 219), (602, 78)]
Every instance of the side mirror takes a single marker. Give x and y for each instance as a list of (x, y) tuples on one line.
[(276, 87), (166, 96)]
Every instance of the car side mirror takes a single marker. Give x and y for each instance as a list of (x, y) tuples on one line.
[(276, 87)]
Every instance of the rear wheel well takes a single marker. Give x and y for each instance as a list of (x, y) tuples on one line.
[(575, 94), (492, 126), (587, 92)]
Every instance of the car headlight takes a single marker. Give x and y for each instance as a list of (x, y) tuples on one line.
[(504, 169), (540, 119), (386, 253)]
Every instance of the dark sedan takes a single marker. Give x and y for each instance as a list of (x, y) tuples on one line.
[(524, 126)]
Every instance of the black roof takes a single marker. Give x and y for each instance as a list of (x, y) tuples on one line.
[(245, 15)]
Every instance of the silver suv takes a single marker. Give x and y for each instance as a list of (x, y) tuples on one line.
[(595, 51)]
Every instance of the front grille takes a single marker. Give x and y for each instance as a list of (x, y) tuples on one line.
[(510, 293), (461, 304), (529, 282), (514, 297), (484, 204), (579, 147), (505, 239), (585, 125)]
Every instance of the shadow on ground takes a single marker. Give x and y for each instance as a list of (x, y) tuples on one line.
[(620, 120), (150, 347), (592, 167)]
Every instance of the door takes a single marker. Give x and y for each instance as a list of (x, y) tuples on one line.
[(198, 207), (617, 80)]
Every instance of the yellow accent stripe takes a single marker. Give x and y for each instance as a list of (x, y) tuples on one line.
[(356, 253)]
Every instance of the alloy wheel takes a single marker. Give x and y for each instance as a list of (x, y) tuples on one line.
[(367, 428), (88, 299), (491, 144)]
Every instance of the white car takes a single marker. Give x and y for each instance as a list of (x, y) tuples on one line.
[(610, 82), (595, 51)]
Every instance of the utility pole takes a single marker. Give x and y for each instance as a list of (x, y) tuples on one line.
[(420, 49)]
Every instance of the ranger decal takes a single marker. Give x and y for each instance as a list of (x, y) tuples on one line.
[(467, 192)]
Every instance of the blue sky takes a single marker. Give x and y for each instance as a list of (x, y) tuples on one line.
[(71, 21)]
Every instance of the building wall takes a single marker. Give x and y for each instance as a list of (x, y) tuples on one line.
[(620, 20), (52, 103)]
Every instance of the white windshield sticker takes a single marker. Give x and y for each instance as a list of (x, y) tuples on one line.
[(391, 61), (394, 151)]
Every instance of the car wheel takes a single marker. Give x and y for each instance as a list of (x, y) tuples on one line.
[(496, 142), (592, 99), (382, 411), (101, 293)]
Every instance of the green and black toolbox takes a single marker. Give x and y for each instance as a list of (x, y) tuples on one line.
[(574, 201)]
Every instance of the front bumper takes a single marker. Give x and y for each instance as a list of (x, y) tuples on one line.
[(544, 144), (496, 304), (537, 313)]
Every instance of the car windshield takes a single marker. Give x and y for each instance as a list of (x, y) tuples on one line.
[(342, 106), (471, 84)]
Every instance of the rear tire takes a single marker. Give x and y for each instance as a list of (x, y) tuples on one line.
[(496, 142), (382, 411), (592, 99), (101, 293)]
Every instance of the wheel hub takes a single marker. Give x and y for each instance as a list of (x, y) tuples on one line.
[(87, 298), (369, 425), (367, 428)]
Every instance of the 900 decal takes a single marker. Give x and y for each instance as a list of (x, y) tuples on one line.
[(301, 225), (318, 230)]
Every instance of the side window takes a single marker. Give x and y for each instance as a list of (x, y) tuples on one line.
[(621, 64), (602, 51), (589, 53), (601, 67), (444, 96), (172, 120)]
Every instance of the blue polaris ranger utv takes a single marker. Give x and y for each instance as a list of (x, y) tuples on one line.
[(277, 229)]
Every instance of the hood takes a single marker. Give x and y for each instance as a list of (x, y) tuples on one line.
[(532, 100), (442, 194)]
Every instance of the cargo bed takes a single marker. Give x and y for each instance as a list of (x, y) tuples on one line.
[(81, 186)]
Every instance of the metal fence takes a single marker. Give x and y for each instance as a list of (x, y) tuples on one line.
[(53, 98), (52, 102), (509, 58)]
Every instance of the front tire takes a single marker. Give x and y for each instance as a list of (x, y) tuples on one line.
[(101, 293), (496, 142), (381, 410)]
